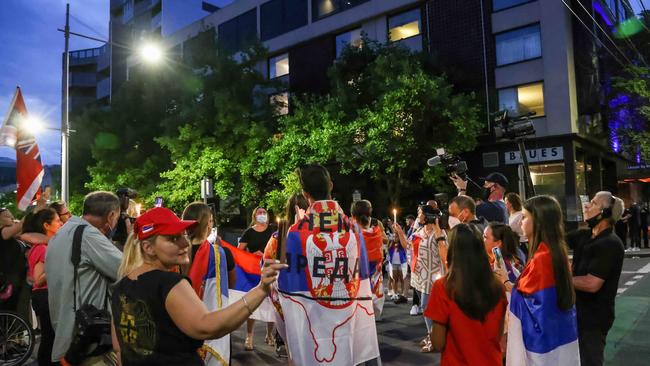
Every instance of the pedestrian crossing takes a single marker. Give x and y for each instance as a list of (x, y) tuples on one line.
[(639, 274)]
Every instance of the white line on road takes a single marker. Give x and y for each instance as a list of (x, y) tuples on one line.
[(630, 283), (637, 277), (645, 269), (621, 290)]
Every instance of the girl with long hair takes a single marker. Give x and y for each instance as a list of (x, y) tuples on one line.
[(548, 333), (375, 238), (45, 222), (468, 305), (204, 256), (498, 235)]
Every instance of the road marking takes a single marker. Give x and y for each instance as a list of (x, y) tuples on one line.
[(621, 290), (645, 269), (637, 277), (630, 283)]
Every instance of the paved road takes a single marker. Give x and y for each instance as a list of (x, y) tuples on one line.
[(628, 342)]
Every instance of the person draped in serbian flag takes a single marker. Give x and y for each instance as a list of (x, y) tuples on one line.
[(542, 325), (325, 293), (209, 275), (375, 238), (294, 211), (29, 170)]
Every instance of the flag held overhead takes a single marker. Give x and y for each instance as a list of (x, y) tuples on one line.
[(29, 170)]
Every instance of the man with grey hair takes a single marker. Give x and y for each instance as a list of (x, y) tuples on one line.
[(597, 263), (97, 270)]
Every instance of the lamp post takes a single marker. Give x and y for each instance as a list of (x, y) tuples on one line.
[(150, 53)]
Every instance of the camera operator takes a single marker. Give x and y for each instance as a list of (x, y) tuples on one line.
[(597, 263), (492, 207), (124, 223), (462, 209)]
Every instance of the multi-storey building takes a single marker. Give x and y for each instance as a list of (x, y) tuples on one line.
[(521, 55), (95, 74)]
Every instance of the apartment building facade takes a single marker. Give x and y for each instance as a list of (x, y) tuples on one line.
[(519, 55)]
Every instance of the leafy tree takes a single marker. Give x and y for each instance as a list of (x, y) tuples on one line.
[(384, 112)]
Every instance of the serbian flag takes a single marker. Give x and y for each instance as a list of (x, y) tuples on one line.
[(539, 332), (325, 293), (29, 170), (248, 267), (209, 275)]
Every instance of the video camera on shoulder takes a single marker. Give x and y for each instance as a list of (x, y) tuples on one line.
[(452, 163), (430, 214)]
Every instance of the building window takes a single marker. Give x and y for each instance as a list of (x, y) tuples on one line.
[(127, 12), (404, 25), (523, 99), (505, 4), (237, 33), (280, 103), (322, 8), (352, 38), (281, 16), (279, 66), (518, 45)]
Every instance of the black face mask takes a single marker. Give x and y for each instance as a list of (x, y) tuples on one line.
[(592, 222), (486, 194)]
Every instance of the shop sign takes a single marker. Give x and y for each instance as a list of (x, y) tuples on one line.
[(536, 155)]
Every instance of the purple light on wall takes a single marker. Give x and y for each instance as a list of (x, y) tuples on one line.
[(603, 14)]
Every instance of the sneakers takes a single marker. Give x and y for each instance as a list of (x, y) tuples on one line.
[(281, 351), (633, 249), (414, 310)]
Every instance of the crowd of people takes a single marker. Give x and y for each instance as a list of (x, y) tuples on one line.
[(489, 273)]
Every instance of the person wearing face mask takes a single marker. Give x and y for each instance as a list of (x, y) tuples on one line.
[(100, 260), (462, 209), (430, 244), (597, 263), (492, 206), (254, 240)]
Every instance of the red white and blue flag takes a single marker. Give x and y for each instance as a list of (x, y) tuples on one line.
[(539, 332), (248, 268), (29, 170), (325, 293), (209, 276)]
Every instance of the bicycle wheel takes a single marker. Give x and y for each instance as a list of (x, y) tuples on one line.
[(16, 340)]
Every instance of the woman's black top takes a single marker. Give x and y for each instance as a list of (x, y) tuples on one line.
[(146, 333), (13, 270), (256, 240)]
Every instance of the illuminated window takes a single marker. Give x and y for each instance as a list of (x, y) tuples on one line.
[(518, 45), (280, 103), (523, 99), (352, 38), (404, 25), (279, 66)]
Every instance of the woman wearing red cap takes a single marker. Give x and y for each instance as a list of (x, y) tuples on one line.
[(157, 316)]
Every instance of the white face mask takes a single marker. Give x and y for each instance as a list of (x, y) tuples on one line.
[(262, 219), (453, 221)]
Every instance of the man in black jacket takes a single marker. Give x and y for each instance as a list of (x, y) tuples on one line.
[(597, 263)]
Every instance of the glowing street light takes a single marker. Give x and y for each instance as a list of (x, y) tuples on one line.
[(151, 53)]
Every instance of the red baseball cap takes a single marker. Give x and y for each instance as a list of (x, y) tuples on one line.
[(160, 221)]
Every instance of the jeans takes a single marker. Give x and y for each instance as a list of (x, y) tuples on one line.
[(425, 300)]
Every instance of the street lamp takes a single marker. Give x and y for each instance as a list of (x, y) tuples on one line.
[(151, 53)]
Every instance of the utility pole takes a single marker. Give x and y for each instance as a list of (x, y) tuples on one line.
[(65, 122)]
